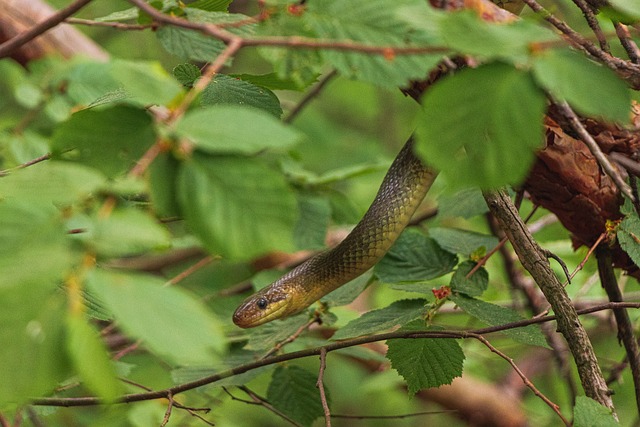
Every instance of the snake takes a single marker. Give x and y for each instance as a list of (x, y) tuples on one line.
[(402, 190)]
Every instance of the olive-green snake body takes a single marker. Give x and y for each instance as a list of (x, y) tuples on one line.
[(400, 193)]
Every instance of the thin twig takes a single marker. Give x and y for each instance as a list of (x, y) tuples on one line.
[(232, 48), (135, 384), (502, 241), (264, 403), (627, 42), (586, 137), (310, 95), (392, 417), (577, 39), (524, 378), (116, 25), (625, 328), (276, 348), (630, 165), (4, 422), (194, 412), (592, 21), (633, 183), (167, 413), (586, 258), (192, 269), (320, 385), (26, 36), (145, 161), (633, 170), (127, 350), (338, 345), (294, 42), (34, 418), (26, 164)]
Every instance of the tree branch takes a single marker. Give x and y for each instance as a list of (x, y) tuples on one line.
[(592, 21), (586, 137), (536, 263), (12, 44), (627, 42), (628, 70), (294, 42), (625, 328), (90, 401)]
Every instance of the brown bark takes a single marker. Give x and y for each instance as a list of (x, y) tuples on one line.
[(478, 403), (19, 15), (534, 260)]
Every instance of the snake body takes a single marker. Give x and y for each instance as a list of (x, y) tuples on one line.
[(400, 193)]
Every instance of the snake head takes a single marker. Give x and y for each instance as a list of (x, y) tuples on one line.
[(272, 302)]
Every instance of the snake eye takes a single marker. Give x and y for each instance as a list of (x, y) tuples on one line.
[(262, 303)]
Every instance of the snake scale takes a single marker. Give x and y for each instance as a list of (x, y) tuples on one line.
[(402, 190)]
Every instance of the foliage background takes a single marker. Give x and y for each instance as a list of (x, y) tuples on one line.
[(346, 136)]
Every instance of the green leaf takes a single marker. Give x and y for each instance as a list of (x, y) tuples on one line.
[(465, 203), (227, 90), (232, 130), (495, 315), (425, 362), (90, 359), (370, 22), (110, 140), (146, 82), (301, 66), (128, 231), (311, 228), (186, 74), (473, 286), (481, 126), (589, 413), (89, 82), (121, 15), (163, 178), (570, 76), (211, 5), (271, 81), (462, 241), (414, 257), (193, 373), (238, 207), (467, 33), (112, 97), (424, 22), (24, 147), (293, 391), (32, 339), (398, 313), (193, 45), (51, 183), (348, 292), (33, 245), (188, 44), (267, 336), (628, 233), (170, 322), (628, 7)]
